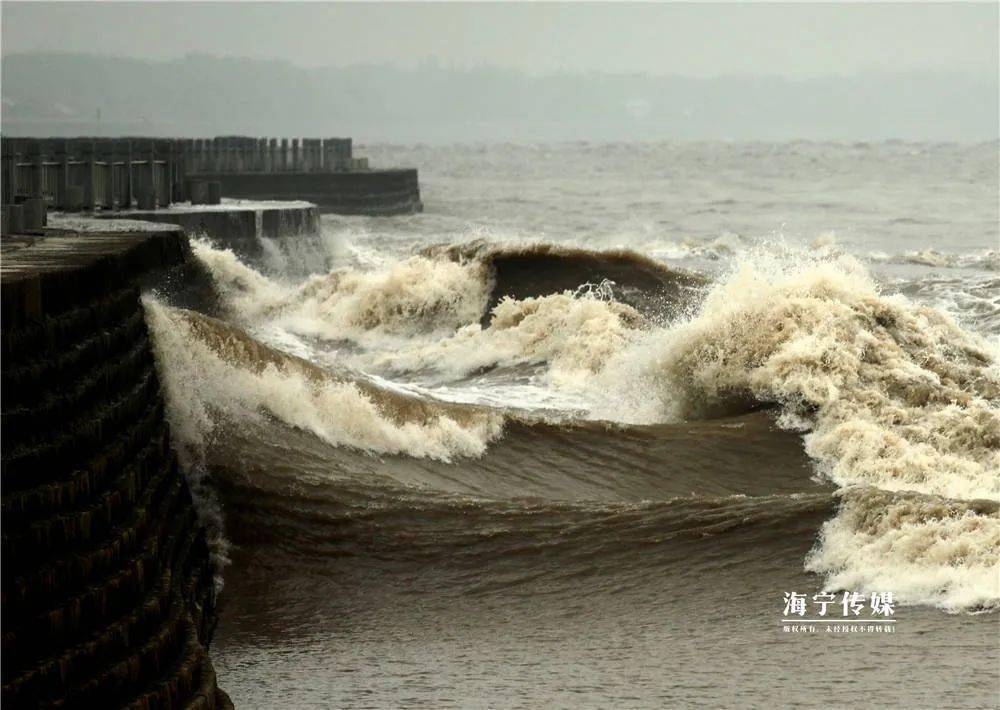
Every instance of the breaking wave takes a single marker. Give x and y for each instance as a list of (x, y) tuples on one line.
[(523, 270), (408, 298), (898, 404), (216, 375), (926, 549), (891, 396), (891, 393)]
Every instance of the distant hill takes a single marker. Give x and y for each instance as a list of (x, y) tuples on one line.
[(66, 94)]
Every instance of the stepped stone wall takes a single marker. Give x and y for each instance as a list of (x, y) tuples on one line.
[(107, 587)]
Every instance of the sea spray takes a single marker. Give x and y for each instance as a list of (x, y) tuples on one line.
[(407, 298), (246, 293), (213, 375), (894, 399), (925, 549), (573, 333), (892, 396)]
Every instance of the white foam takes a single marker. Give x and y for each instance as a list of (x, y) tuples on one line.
[(892, 395), (925, 549), (573, 333), (416, 296), (897, 395), (207, 383)]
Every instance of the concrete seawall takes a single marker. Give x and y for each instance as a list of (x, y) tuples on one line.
[(74, 174), (108, 595), (375, 192), (234, 223)]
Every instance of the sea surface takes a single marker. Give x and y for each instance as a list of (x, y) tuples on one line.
[(571, 437)]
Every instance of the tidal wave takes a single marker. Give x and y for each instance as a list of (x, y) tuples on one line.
[(215, 373), (897, 404)]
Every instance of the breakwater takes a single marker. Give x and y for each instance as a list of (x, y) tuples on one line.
[(325, 172), (88, 174), (108, 587), (373, 192), (237, 224)]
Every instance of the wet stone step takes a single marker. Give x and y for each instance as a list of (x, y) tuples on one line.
[(81, 439), (21, 508), (51, 336), (102, 602), (67, 574), (107, 584), (77, 533), (27, 382), (79, 663), (56, 409)]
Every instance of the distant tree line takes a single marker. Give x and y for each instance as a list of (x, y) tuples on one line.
[(199, 95)]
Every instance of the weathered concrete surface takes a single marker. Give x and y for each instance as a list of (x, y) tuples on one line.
[(107, 585), (235, 223), (227, 226), (374, 192), (34, 214)]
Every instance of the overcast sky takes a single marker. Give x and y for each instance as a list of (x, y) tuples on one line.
[(699, 40)]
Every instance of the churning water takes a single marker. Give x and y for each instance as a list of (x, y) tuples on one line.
[(568, 437)]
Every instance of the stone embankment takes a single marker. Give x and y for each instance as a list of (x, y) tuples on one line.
[(107, 585)]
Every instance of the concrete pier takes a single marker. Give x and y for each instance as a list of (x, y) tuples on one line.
[(237, 224), (88, 174), (374, 192), (108, 594)]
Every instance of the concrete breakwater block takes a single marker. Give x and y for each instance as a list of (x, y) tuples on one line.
[(235, 224), (146, 199), (107, 581), (223, 225), (365, 192), (277, 223), (35, 213), (74, 198), (196, 191), (15, 219), (204, 192)]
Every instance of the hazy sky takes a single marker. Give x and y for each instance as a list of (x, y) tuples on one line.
[(791, 39)]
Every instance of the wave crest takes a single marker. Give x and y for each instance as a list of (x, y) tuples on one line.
[(214, 374), (893, 394), (415, 296), (925, 549), (534, 269), (572, 333)]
